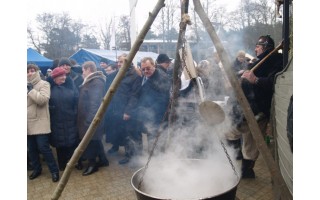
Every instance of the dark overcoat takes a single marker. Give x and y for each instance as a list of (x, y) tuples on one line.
[(123, 101), (266, 72), (153, 99), (63, 105), (91, 94)]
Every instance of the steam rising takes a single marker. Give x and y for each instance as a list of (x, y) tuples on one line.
[(192, 159), (194, 165)]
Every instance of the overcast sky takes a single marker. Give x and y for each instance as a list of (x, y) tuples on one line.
[(99, 11), (93, 11)]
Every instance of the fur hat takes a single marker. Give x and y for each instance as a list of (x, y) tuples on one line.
[(58, 71), (64, 61), (162, 58)]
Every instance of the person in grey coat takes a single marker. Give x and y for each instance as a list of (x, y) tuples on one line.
[(90, 97)]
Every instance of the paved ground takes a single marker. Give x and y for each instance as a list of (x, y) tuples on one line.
[(113, 183)]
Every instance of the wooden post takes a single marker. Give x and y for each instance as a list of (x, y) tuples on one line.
[(176, 83), (280, 184), (106, 100)]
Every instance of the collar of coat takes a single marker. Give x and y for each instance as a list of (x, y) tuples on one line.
[(94, 75), (34, 78), (68, 82)]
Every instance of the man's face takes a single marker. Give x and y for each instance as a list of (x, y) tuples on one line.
[(103, 65), (120, 61), (259, 50), (147, 68), (109, 70), (66, 67), (165, 64), (85, 72)]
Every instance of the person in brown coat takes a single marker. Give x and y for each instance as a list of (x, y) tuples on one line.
[(90, 97), (38, 124)]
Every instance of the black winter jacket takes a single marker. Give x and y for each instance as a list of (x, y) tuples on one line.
[(264, 89), (63, 113), (153, 98)]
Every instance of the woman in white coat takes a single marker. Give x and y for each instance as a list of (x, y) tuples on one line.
[(38, 125)]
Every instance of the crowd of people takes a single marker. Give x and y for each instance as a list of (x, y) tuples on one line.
[(63, 103)]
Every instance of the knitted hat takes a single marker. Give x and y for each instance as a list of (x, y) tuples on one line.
[(162, 58), (64, 61), (58, 71)]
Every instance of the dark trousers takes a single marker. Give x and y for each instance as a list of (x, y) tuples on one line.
[(133, 138), (102, 156), (93, 151), (40, 143), (116, 131), (64, 154)]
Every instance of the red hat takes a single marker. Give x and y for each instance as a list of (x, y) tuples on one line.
[(58, 71)]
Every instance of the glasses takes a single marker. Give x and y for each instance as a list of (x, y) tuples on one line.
[(146, 69)]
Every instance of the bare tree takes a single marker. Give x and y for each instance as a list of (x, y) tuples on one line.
[(34, 39), (123, 34), (58, 35), (105, 34)]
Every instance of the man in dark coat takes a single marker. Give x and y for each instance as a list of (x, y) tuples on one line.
[(164, 63), (63, 115), (153, 100), (121, 106), (258, 88), (91, 94), (67, 65)]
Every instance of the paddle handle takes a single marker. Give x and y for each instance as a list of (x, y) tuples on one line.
[(265, 58)]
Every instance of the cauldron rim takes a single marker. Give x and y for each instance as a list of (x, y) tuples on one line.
[(150, 196)]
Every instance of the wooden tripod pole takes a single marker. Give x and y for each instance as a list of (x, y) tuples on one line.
[(106, 100), (279, 184), (185, 20)]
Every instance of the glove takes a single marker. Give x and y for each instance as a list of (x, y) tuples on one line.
[(30, 87)]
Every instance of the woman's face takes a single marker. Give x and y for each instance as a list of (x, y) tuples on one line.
[(60, 79), (30, 72), (241, 58)]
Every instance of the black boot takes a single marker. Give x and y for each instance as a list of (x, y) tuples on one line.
[(113, 149), (35, 174), (55, 177), (124, 161), (92, 168), (236, 144), (79, 165), (247, 169)]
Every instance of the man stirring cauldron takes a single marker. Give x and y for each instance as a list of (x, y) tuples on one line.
[(258, 88)]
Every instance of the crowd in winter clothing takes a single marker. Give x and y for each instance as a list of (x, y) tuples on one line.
[(62, 106)]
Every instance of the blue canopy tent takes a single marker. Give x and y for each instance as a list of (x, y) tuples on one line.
[(36, 58), (95, 55)]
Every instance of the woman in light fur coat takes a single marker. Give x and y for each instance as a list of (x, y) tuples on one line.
[(38, 125)]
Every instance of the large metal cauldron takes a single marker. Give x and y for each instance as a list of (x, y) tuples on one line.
[(229, 194)]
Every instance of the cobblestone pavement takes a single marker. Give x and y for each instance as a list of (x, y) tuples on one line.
[(114, 183)]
